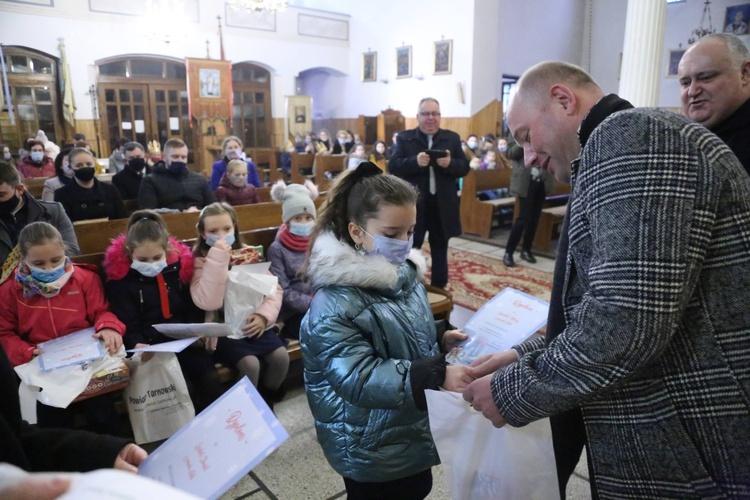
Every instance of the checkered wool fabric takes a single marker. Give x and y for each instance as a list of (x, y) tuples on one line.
[(657, 301)]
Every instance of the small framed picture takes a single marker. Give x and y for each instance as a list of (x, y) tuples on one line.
[(369, 66), (443, 57), (736, 19), (403, 62), (674, 61), (210, 83)]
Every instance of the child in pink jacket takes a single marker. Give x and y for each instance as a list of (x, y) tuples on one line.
[(217, 236)]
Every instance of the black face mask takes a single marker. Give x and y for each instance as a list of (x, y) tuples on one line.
[(137, 164), (9, 205), (177, 167), (85, 174)]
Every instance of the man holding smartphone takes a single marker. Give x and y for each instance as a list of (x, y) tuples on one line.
[(432, 160)]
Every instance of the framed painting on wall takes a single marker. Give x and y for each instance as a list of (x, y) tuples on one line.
[(369, 66), (403, 62), (443, 57), (736, 19), (674, 61)]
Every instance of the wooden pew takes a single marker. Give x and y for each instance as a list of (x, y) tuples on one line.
[(325, 164), (301, 161), (35, 185), (267, 163), (94, 237), (476, 215), (548, 220)]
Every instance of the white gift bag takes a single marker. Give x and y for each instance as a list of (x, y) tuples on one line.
[(59, 387), (245, 291), (482, 462), (158, 400)]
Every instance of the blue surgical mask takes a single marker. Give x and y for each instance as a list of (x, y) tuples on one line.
[(211, 239), (301, 229), (149, 269), (502, 148), (395, 251), (48, 275), (37, 156)]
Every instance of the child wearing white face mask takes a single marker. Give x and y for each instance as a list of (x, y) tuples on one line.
[(234, 188), (148, 277), (49, 297), (218, 235), (289, 250), (369, 343), (232, 148)]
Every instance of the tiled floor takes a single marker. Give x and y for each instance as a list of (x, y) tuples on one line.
[(298, 469)]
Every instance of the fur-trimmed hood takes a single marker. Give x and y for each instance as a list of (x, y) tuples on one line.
[(117, 262), (333, 262)]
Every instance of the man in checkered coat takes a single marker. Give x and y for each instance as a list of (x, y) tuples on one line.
[(656, 347)]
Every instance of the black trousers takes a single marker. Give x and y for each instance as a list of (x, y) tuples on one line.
[(414, 487), (99, 412), (437, 239), (201, 377), (528, 218), (291, 326)]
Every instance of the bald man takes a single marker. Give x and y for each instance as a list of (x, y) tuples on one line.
[(654, 350), (715, 90)]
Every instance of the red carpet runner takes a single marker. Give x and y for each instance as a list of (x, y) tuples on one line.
[(473, 279)]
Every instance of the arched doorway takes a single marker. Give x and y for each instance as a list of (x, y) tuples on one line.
[(251, 85), (32, 79), (143, 98)]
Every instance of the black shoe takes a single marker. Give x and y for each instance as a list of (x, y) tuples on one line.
[(526, 255), (508, 260)]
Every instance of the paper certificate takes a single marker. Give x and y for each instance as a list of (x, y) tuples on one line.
[(71, 349), (174, 346), (187, 330), (212, 452), (509, 318)]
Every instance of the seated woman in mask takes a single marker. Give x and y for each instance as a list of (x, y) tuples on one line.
[(232, 148), (36, 163), (87, 198)]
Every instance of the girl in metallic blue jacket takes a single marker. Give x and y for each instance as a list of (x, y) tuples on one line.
[(369, 343)]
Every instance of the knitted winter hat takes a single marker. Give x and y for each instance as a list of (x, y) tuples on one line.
[(295, 199)]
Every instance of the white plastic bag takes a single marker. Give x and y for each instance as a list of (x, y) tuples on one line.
[(157, 397), (244, 293), (482, 462), (59, 387)]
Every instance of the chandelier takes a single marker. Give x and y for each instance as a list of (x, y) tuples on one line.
[(702, 31), (271, 6)]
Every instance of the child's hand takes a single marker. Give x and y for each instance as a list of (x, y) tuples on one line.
[(209, 343), (36, 352), (457, 378), (191, 209), (450, 338), (145, 356), (223, 245), (256, 324), (112, 339)]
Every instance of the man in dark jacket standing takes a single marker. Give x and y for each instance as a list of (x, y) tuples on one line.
[(653, 349), (715, 90), (172, 185), (432, 160)]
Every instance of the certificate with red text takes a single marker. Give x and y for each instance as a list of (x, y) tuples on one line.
[(509, 318), (219, 446), (72, 349)]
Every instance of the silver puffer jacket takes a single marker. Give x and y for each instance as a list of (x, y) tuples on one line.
[(368, 321)]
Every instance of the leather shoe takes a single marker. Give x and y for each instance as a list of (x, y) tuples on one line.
[(508, 260), (526, 255)]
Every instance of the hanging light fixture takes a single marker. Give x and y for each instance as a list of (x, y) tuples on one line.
[(702, 31), (271, 6), (175, 30)]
